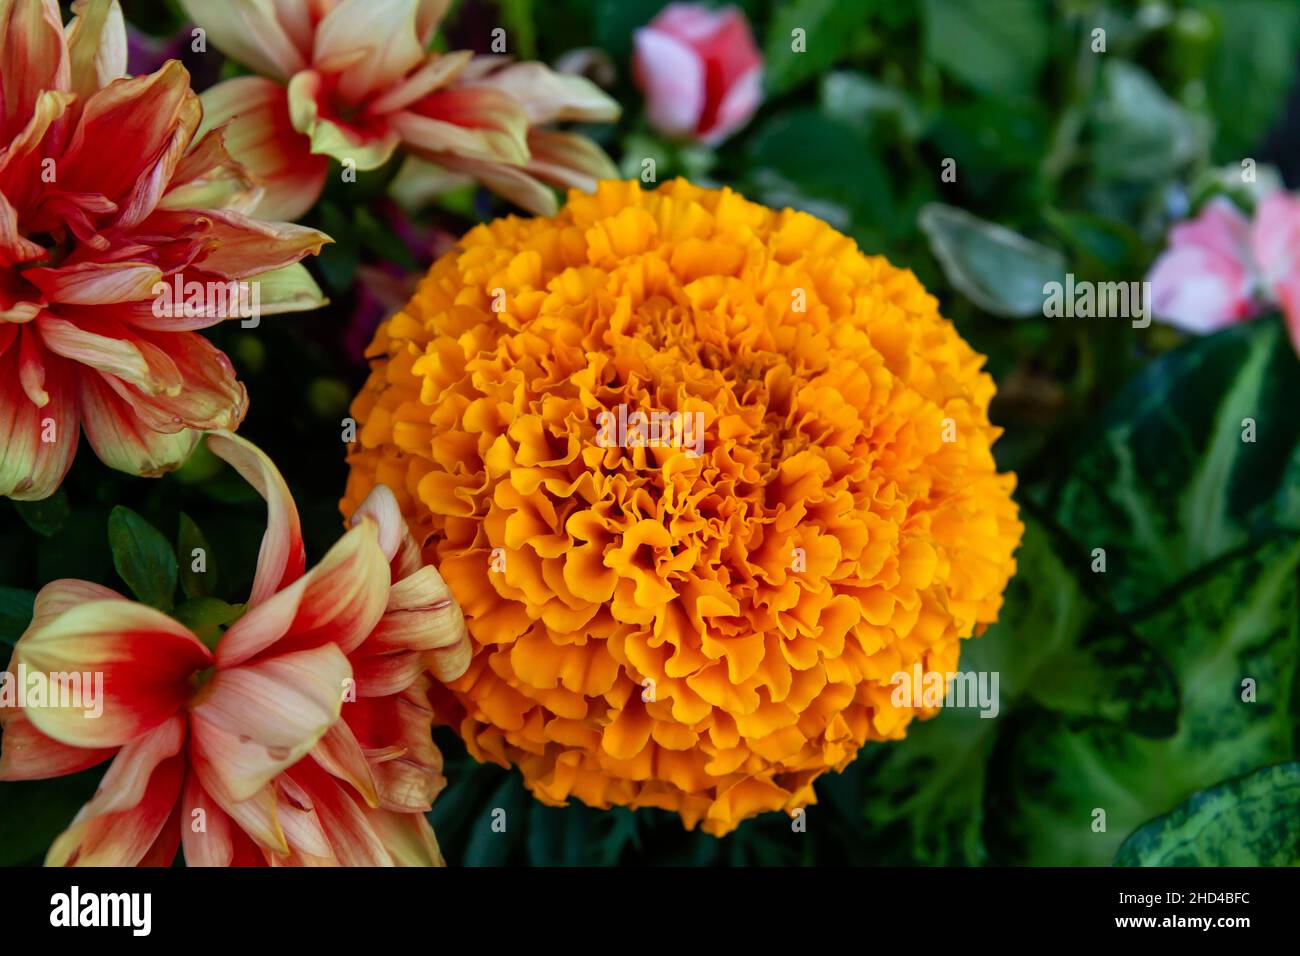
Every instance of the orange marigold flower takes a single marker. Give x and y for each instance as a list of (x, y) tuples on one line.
[(706, 633), (109, 201)]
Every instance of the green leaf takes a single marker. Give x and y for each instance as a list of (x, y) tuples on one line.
[(1055, 645), (142, 557), (33, 813), (1053, 775), (489, 845), (1138, 133), (822, 166), (1163, 481), (1255, 49), (860, 101), (1105, 246), (193, 550), (999, 270), (925, 793), (830, 28), (996, 46), (1251, 821), (339, 259), (15, 613), (208, 617), (47, 516)]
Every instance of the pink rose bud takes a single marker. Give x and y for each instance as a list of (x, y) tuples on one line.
[(700, 71)]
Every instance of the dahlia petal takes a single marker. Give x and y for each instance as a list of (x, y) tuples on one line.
[(121, 440), (1220, 228), (206, 832), (340, 755), (20, 169), (365, 147), (33, 59), (209, 177), (509, 182), (147, 122), (337, 602), (352, 838), (440, 70), (407, 837), (243, 247), (139, 662), (394, 733), (28, 754), (381, 507), (371, 44), (37, 444), (568, 160), (133, 803), (253, 115), (550, 97), (97, 49), (256, 720), (206, 397), (14, 246), (113, 356), (96, 283), (65, 594), (282, 558), (474, 122), (251, 32)]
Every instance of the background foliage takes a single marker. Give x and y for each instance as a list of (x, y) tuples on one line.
[(1120, 691)]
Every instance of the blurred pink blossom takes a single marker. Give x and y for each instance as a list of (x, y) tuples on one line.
[(700, 71), (1221, 268)]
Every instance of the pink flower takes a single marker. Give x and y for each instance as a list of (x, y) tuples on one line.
[(1221, 268), (700, 71)]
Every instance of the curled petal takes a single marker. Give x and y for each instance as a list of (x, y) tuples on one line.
[(37, 443), (28, 754), (282, 559), (242, 247), (254, 721), (33, 59), (474, 122), (96, 283), (550, 97), (337, 602), (133, 664), (250, 31), (97, 47), (369, 43), (122, 440), (253, 116), (568, 160), (147, 122), (133, 803)]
